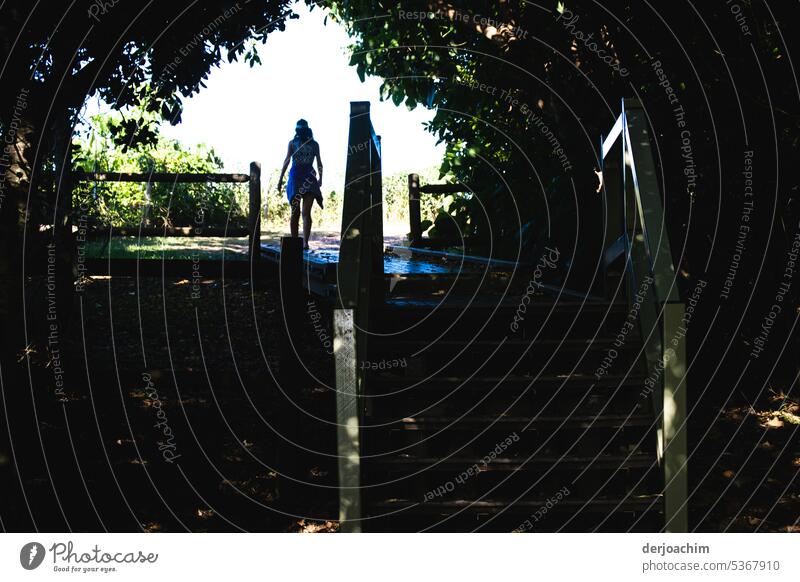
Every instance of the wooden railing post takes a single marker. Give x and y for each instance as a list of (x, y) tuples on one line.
[(376, 213), (291, 276), (675, 433), (348, 423), (148, 203), (359, 284), (353, 284), (415, 191), (292, 372), (354, 255), (414, 214), (254, 214)]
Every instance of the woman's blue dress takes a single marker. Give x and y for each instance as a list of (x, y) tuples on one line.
[(302, 177)]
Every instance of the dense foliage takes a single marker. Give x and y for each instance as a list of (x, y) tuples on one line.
[(522, 95), (523, 91), (126, 204), (142, 58), (145, 57)]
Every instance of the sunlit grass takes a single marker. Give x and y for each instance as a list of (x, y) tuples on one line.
[(171, 248)]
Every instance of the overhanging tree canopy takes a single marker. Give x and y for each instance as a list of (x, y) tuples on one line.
[(522, 91), (53, 55), (519, 86)]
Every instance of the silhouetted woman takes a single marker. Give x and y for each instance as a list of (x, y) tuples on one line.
[(303, 186)]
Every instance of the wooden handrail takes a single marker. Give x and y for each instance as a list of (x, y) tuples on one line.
[(636, 228), (444, 188), (156, 177)]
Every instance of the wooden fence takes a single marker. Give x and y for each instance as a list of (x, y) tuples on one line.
[(254, 208)]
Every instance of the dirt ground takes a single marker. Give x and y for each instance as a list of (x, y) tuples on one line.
[(176, 416), (176, 424)]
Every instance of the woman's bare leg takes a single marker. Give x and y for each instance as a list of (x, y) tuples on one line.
[(308, 203), (294, 220)]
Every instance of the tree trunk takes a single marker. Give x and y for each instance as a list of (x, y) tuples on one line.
[(18, 137)]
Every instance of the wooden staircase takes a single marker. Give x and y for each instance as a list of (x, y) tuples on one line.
[(484, 432), (466, 404)]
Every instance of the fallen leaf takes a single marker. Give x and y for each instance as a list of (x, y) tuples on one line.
[(774, 422)]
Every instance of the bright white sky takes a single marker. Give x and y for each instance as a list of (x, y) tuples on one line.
[(248, 114)]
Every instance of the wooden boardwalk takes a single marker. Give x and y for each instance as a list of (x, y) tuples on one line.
[(404, 268)]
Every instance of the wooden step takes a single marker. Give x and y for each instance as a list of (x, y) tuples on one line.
[(510, 464), (508, 423), (460, 302), (389, 383), (429, 421), (416, 347), (396, 397), (499, 311), (608, 514), (529, 506), (498, 357)]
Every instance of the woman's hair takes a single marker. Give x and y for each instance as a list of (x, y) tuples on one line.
[(302, 132)]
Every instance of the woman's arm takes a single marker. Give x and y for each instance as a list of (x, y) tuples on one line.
[(319, 166), (285, 165)]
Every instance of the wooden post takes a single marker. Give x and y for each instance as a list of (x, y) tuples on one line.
[(414, 217), (148, 203), (290, 275), (354, 250), (676, 482), (254, 214), (360, 279), (291, 270), (376, 206), (347, 420), (378, 283), (287, 422), (354, 282)]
